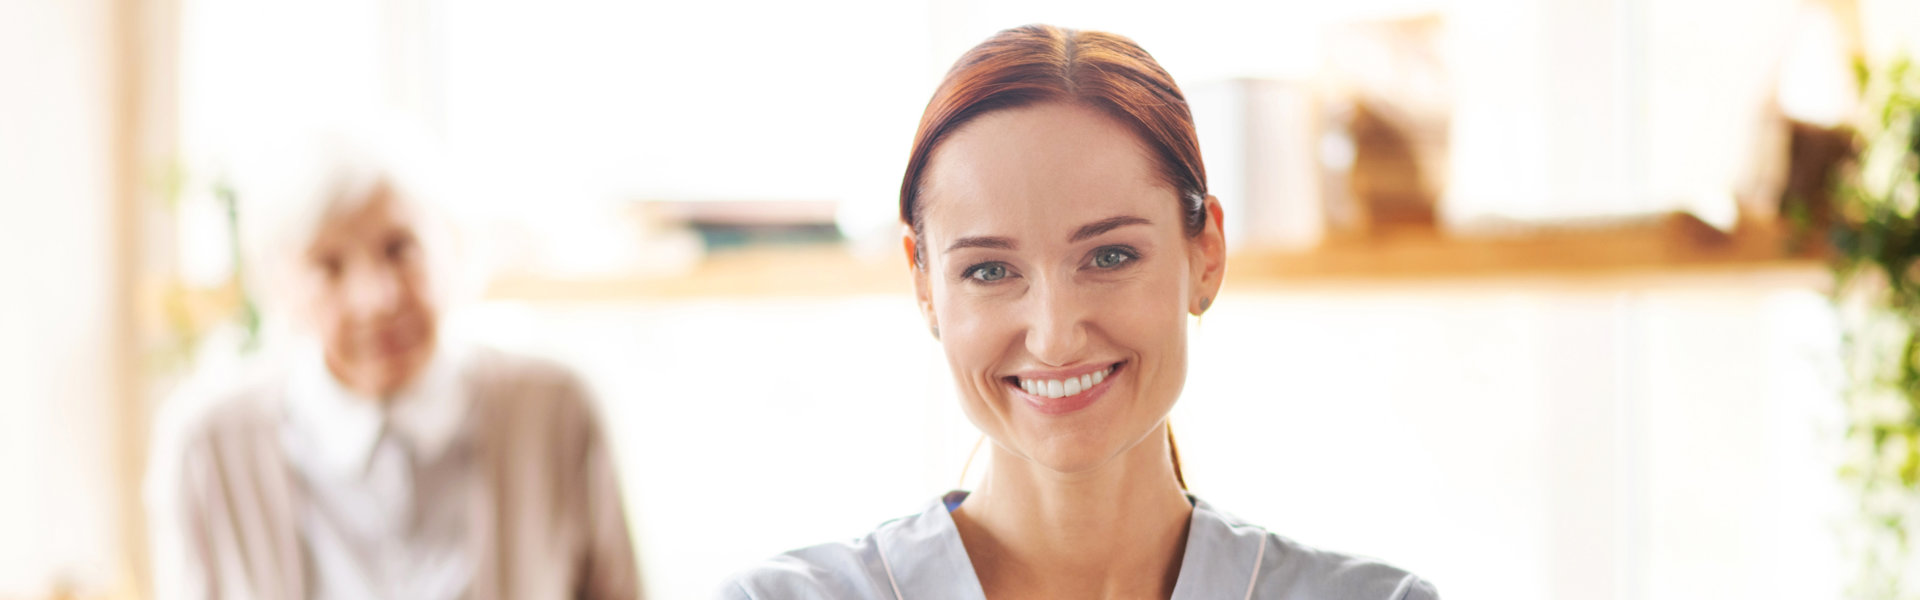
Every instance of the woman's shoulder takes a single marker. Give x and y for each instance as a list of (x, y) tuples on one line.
[(905, 553), (1290, 569), (524, 388), (1297, 570), (494, 368), (211, 429), (239, 403), (848, 569)]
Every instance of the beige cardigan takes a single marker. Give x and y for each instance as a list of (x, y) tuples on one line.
[(546, 519)]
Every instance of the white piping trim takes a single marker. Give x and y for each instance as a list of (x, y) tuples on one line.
[(889, 569), (1406, 586), (1258, 558)]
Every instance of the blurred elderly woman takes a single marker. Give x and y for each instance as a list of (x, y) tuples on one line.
[(381, 459)]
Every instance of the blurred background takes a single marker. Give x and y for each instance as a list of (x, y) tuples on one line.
[(1522, 295)]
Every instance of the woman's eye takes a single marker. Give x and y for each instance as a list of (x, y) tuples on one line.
[(330, 266), (398, 247), (1109, 258), (989, 272)]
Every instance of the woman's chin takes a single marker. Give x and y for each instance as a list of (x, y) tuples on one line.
[(1085, 448), (1071, 454), (385, 377)]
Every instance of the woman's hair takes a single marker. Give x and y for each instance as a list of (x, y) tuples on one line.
[(1035, 64)]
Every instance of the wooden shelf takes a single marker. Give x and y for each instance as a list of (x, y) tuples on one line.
[(807, 271), (1676, 244), (1675, 250)]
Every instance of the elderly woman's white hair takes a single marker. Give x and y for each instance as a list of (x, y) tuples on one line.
[(288, 195)]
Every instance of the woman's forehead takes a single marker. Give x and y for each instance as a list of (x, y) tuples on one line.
[(1049, 166), (374, 213)]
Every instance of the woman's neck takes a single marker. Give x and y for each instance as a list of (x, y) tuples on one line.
[(1117, 531)]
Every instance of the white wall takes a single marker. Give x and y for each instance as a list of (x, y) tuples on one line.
[(57, 477), (1598, 108)]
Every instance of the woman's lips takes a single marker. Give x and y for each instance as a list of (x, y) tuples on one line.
[(1064, 395), (395, 339)]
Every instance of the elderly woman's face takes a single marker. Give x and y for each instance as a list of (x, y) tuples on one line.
[(366, 287), (1060, 279)]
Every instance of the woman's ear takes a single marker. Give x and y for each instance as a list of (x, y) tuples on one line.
[(1209, 260), (922, 294)]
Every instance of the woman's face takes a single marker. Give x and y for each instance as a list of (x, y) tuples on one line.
[(1059, 278), (366, 287)]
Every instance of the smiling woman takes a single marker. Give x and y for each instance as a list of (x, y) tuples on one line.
[(1060, 233), (1066, 260)]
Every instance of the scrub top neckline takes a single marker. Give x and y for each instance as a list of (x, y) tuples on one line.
[(1221, 560), (953, 499)]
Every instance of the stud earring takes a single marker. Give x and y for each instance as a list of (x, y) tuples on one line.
[(1205, 303), (936, 331)]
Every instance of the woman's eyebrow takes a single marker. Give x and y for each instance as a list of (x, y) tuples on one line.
[(1085, 232), (1105, 225), (995, 242)]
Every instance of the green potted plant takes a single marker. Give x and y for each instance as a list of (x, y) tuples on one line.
[(1875, 234)]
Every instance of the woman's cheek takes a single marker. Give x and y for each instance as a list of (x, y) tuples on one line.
[(965, 332), (968, 330), (1147, 308)]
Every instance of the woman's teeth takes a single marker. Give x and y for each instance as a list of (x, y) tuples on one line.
[(1060, 388)]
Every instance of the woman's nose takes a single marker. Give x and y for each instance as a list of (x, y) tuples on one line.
[(372, 290), (1056, 323)]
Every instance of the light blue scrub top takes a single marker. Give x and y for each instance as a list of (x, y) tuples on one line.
[(921, 558)]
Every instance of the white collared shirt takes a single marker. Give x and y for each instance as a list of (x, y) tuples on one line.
[(385, 483)]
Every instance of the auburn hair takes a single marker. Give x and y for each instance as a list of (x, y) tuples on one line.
[(1035, 64)]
